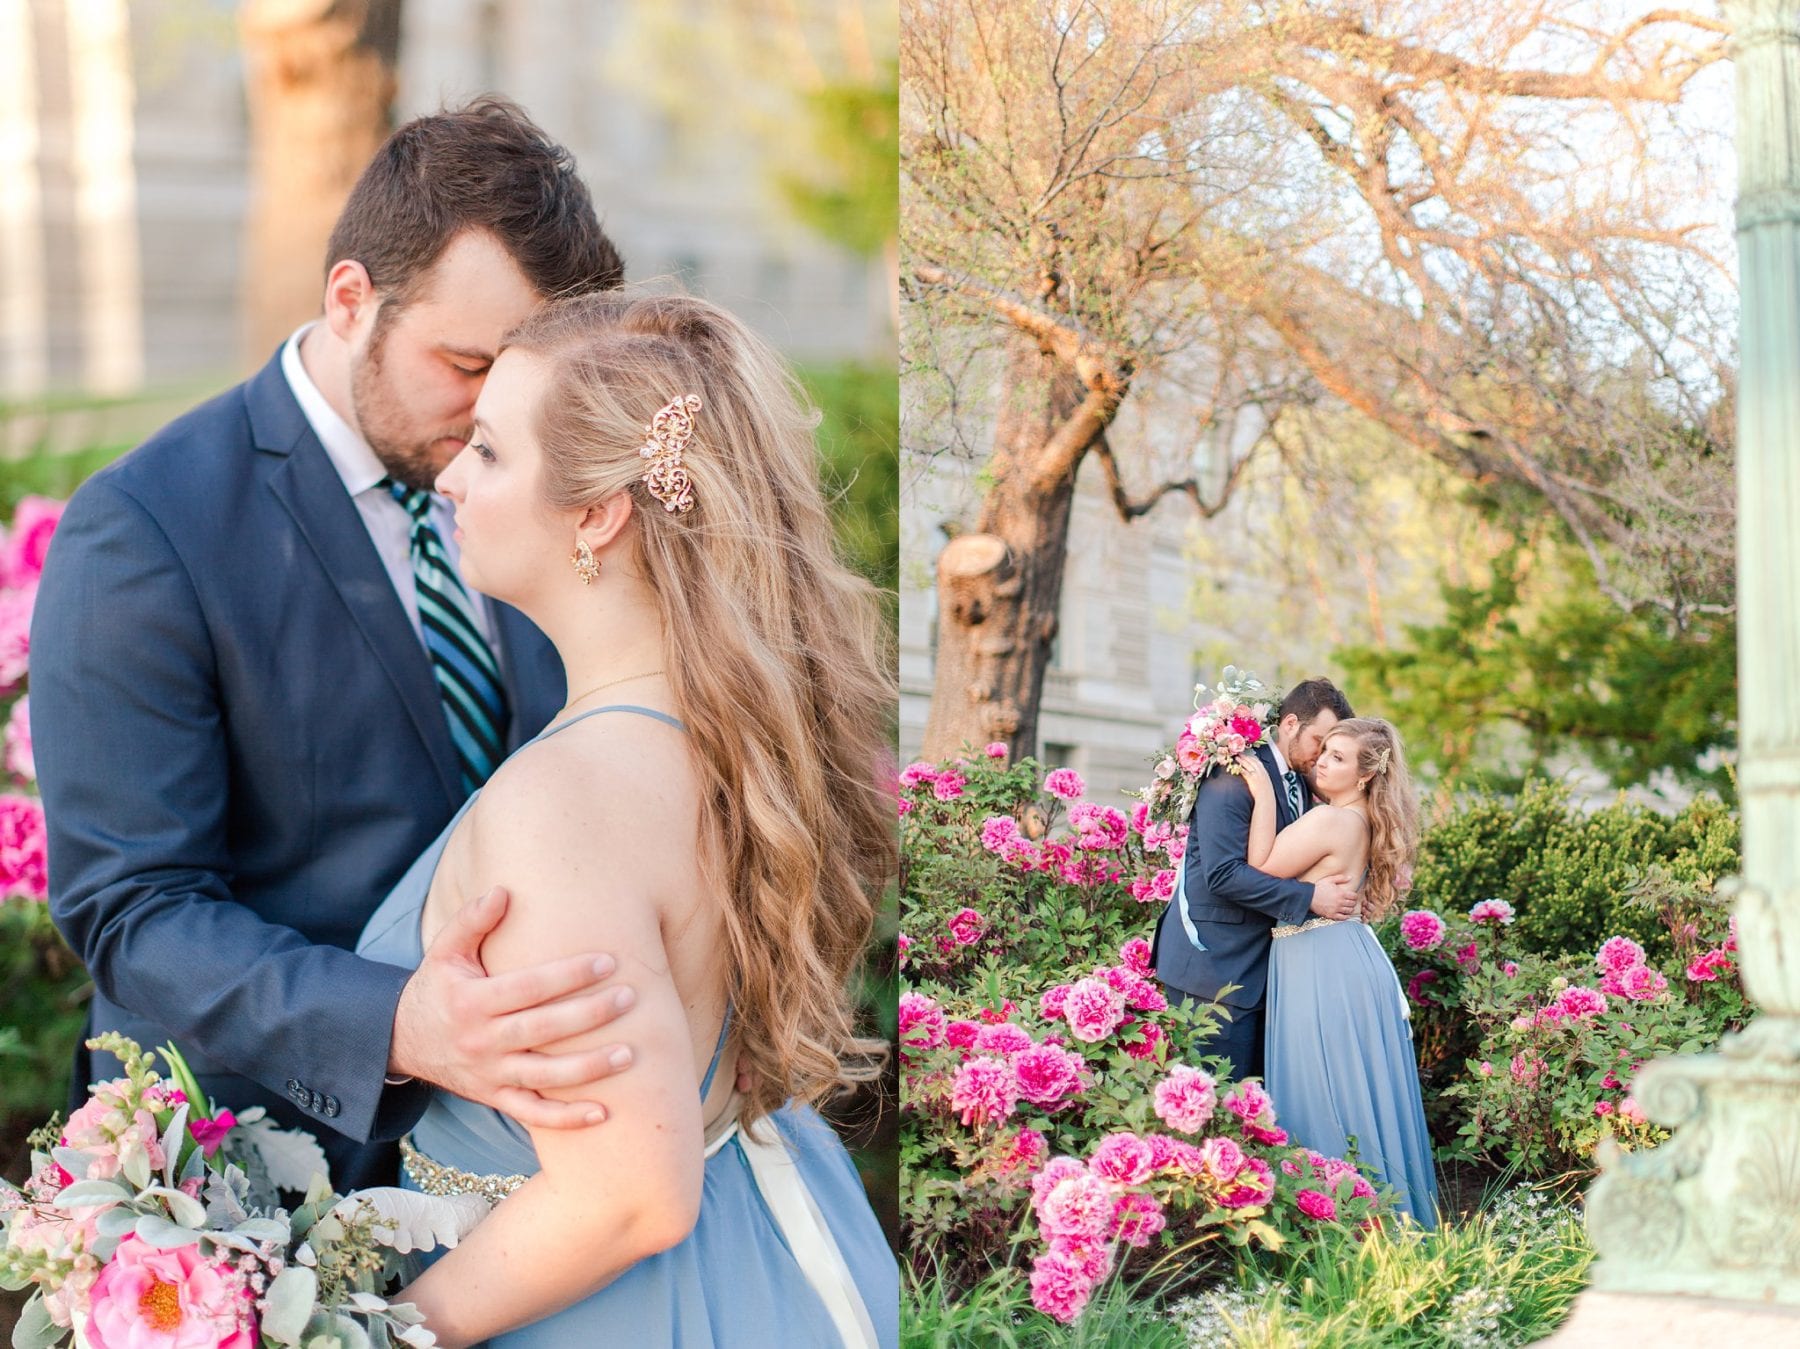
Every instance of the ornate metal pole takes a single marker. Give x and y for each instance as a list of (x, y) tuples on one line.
[(1715, 1211)]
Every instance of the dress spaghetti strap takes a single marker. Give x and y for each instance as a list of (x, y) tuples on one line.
[(651, 712)]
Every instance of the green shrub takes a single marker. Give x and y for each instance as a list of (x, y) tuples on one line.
[(1571, 876)]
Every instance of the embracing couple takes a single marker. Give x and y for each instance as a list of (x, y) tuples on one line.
[(1286, 866), (496, 575)]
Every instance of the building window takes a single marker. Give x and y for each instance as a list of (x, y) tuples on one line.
[(1060, 756)]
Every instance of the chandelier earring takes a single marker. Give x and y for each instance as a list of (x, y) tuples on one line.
[(587, 566)]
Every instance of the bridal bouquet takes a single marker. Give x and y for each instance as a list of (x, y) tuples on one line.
[(151, 1221), (1220, 730)]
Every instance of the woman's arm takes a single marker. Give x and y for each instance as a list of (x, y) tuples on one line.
[(612, 1195), (1262, 813)]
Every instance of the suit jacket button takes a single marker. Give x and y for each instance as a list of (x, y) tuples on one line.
[(331, 1107), (296, 1090)]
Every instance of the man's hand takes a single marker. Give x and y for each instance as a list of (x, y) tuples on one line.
[(482, 1036), (1333, 898)]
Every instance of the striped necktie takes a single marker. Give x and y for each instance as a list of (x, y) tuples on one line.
[(1296, 802), (468, 676)]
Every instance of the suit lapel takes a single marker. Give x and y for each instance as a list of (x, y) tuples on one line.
[(309, 488), (1284, 814)]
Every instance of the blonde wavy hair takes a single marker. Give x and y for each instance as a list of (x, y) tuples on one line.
[(1393, 810), (777, 652)]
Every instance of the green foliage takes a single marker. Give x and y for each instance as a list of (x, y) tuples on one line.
[(859, 441), (1572, 877), (1506, 1278), (998, 1313), (1539, 649), (43, 992), (851, 191)]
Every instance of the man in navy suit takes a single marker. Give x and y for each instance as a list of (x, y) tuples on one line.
[(244, 737), (1214, 934)]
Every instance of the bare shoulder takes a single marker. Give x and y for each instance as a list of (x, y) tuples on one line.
[(1335, 823), (612, 794)]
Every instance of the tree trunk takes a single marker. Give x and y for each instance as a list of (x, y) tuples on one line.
[(1000, 587), (319, 77)]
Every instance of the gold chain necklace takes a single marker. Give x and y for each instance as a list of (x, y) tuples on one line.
[(623, 679)]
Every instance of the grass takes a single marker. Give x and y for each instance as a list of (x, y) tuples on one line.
[(1507, 1276)]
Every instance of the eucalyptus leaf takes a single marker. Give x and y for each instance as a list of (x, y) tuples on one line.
[(262, 1229), (74, 1161), (116, 1222), (367, 1302), (88, 1193), (35, 1329), (417, 1336), (173, 1137), (136, 1166), (331, 1330), (410, 1221), (156, 1230), (183, 1208), (104, 1247), (289, 1303)]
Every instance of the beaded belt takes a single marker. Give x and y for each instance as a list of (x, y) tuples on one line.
[(1295, 929), (436, 1178)]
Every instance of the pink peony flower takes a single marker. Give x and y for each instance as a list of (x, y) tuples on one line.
[(984, 1091), (1630, 1110), (28, 541), (1217, 1161), (1640, 983), (1496, 911), (1185, 1099), (1135, 954), (15, 635), (1004, 1038), (24, 863), (961, 1034), (1603, 1108), (19, 758), (1176, 848), (1422, 930), (902, 946), (1098, 828), (1052, 1001), (1047, 1074), (1254, 1185), (1579, 1001), (1053, 1173), (1137, 1217), (1510, 969), (903, 807), (154, 1298), (1415, 987), (1065, 784), (967, 926), (1706, 968), (1076, 1207), (1024, 1152), (1123, 1158), (996, 750), (918, 774), (1526, 1068), (1093, 1009), (1319, 1207), (997, 831), (921, 1023), (1060, 1287), (1251, 1104), (1618, 954), (949, 785), (1468, 957), (1190, 753)]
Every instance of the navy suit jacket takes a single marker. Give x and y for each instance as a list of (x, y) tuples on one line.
[(241, 748), (1232, 904)]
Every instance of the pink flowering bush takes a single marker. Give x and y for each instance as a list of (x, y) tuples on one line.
[(1048, 1094)]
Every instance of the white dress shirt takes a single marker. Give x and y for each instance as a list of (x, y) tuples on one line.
[(388, 523)]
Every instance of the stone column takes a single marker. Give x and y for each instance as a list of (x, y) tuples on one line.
[(1715, 1211)]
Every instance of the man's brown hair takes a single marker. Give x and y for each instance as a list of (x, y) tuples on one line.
[(1312, 696), (484, 166)]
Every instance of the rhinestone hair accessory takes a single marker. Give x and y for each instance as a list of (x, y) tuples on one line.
[(1381, 760), (668, 434)]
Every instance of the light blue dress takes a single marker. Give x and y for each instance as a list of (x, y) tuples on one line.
[(786, 1249), (1338, 1056)]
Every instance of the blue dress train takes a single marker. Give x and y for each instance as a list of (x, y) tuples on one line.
[(1338, 1056), (786, 1249)]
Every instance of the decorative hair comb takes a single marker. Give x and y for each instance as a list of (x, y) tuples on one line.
[(1381, 760), (668, 435)]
